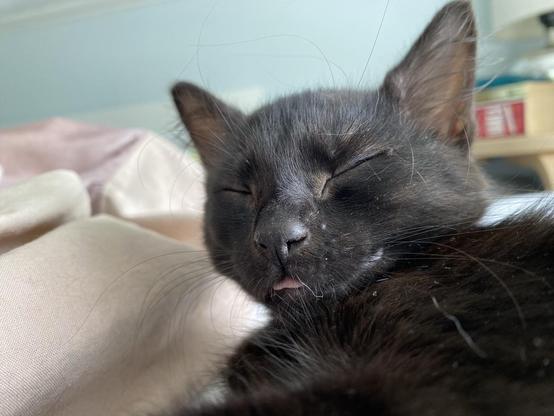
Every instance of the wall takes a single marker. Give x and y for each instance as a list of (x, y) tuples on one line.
[(115, 65), (496, 55)]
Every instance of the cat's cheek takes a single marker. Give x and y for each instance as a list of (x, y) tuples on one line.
[(231, 220)]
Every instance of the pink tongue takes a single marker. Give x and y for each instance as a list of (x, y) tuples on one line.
[(287, 283)]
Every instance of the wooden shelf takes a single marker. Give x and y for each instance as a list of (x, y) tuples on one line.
[(513, 147), (534, 152)]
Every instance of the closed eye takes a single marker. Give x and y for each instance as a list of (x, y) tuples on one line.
[(237, 191), (357, 162), (353, 165)]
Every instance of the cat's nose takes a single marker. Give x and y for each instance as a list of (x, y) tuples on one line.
[(281, 240)]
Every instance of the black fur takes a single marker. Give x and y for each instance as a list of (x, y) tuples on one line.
[(369, 199)]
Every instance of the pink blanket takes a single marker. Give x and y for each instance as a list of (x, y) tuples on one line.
[(129, 173), (94, 152)]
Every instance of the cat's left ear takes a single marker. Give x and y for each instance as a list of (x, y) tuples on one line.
[(433, 84), (207, 119)]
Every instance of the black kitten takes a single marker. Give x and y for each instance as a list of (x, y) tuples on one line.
[(352, 215)]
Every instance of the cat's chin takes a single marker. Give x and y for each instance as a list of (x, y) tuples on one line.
[(287, 282), (286, 294), (289, 295), (288, 289)]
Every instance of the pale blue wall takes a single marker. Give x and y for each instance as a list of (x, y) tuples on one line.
[(127, 57), (496, 55)]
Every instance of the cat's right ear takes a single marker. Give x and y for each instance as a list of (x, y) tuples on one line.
[(433, 84), (207, 119)]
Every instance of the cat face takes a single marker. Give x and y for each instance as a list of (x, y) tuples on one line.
[(316, 194)]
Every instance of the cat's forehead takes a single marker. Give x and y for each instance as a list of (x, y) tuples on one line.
[(313, 126), (314, 112)]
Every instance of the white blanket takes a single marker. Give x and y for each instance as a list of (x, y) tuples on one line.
[(100, 317)]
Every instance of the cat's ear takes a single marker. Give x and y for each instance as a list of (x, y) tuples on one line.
[(207, 119), (434, 82)]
